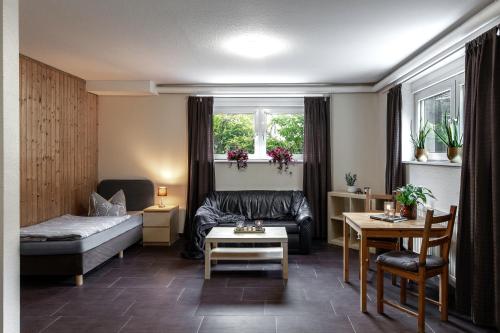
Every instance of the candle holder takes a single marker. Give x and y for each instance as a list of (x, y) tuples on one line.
[(258, 224), (389, 209)]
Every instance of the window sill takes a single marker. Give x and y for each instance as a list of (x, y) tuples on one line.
[(253, 161), (435, 163)]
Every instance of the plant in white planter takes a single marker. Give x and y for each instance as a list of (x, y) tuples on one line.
[(418, 140), (448, 132), (350, 179)]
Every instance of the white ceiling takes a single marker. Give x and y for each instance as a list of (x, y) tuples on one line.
[(182, 42)]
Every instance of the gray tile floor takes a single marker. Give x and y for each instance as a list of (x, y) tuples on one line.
[(153, 289)]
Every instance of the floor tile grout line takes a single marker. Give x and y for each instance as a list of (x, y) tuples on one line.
[(128, 307), (350, 322), (51, 323), (427, 324), (180, 294), (168, 285), (111, 285), (123, 326), (201, 322), (58, 309), (119, 294), (342, 284), (333, 308)]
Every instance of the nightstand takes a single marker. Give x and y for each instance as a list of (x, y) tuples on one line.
[(160, 225)]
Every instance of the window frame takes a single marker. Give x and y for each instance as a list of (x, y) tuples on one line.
[(451, 84), (260, 107)]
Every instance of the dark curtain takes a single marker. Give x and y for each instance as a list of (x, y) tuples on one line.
[(478, 241), (201, 177), (317, 160), (394, 177)]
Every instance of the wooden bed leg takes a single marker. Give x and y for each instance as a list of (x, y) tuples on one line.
[(78, 280), (120, 254)]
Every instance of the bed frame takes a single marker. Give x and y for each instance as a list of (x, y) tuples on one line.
[(139, 195)]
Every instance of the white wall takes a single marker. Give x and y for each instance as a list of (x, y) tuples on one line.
[(146, 137), (358, 140), (9, 167), (257, 176)]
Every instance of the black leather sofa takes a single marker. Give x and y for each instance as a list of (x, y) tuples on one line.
[(288, 209)]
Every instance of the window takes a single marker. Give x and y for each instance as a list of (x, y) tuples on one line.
[(258, 125), (433, 104)]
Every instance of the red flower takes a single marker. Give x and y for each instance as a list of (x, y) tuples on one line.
[(238, 155), (282, 157)]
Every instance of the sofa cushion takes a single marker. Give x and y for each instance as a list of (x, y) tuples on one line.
[(258, 205), (408, 260)]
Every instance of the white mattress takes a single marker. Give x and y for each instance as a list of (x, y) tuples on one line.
[(81, 245)]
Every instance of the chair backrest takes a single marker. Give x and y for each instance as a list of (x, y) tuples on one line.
[(372, 200), (443, 241)]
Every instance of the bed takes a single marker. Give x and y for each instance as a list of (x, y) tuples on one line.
[(78, 256)]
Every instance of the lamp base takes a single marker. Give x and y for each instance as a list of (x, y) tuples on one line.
[(162, 203)]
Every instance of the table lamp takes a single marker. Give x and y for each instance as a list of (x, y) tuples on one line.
[(162, 193)]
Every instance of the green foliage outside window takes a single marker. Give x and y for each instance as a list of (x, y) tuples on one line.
[(237, 131), (286, 131), (232, 131)]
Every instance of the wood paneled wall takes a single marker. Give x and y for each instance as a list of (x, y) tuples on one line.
[(58, 142)]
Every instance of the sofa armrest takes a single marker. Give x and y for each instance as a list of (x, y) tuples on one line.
[(304, 213)]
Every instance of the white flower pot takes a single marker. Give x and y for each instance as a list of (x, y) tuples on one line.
[(352, 189)]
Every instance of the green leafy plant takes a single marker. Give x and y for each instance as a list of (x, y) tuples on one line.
[(448, 132), (411, 195), (351, 179), (233, 131), (285, 130), (418, 140)]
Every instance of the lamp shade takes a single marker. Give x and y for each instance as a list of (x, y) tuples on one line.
[(162, 191)]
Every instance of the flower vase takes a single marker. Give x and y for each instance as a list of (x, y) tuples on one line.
[(455, 154), (421, 155), (410, 212)]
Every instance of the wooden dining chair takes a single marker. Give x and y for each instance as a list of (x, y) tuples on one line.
[(418, 268), (391, 244)]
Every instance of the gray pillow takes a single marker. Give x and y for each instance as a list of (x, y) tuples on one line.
[(98, 206)]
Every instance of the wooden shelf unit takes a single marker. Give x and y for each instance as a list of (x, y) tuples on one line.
[(338, 203)]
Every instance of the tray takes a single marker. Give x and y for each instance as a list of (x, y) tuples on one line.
[(249, 231), (383, 217)]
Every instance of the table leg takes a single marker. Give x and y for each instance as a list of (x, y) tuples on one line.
[(347, 230), (214, 262), (284, 261), (363, 267), (207, 260)]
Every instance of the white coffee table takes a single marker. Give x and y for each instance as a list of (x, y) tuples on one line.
[(227, 235)]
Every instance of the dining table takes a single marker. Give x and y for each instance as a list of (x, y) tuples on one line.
[(366, 228)]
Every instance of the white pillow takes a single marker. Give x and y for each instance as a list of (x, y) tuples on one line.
[(99, 206)]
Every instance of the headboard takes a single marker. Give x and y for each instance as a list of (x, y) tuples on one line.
[(139, 193)]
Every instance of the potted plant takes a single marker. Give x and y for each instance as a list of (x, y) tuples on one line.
[(448, 132), (350, 180), (409, 196), (281, 156), (418, 140), (238, 155)]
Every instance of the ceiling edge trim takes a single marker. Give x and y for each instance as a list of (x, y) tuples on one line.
[(447, 46)]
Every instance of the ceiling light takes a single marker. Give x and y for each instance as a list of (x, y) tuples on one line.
[(254, 45)]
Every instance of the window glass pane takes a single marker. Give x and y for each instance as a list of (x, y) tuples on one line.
[(461, 104), (232, 131), (433, 109), (285, 130)]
